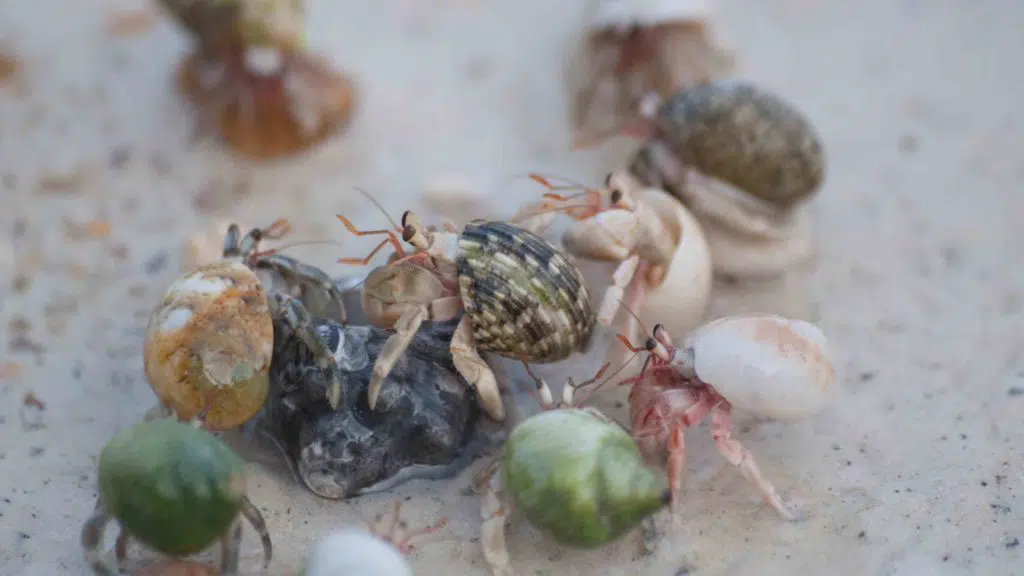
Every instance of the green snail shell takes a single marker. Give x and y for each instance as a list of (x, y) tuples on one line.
[(523, 297), (744, 136), (173, 487), (580, 478)]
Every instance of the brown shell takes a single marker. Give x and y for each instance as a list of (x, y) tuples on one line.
[(745, 136), (257, 116), (209, 345), (522, 296)]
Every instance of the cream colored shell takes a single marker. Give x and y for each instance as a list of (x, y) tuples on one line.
[(209, 344), (768, 365), (681, 302), (742, 256)]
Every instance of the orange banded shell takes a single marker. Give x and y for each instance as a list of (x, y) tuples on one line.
[(209, 344)]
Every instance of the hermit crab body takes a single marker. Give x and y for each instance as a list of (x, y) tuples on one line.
[(209, 342), (573, 473), (174, 488), (521, 297), (251, 77), (663, 266), (745, 162), (636, 49), (768, 365)]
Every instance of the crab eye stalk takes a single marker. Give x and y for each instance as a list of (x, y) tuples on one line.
[(608, 180), (616, 196), (405, 218), (408, 232), (650, 344)]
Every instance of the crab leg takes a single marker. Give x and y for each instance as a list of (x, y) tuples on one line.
[(121, 546), (255, 517), (405, 329), (230, 548), (494, 515), (737, 455), (476, 371), (92, 541), (613, 296)]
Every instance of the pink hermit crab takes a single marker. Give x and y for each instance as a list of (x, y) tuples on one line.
[(768, 365)]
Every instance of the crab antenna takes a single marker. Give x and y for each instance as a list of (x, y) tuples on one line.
[(564, 183), (633, 314), (599, 385), (379, 207)]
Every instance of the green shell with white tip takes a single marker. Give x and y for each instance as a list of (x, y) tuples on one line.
[(580, 478), (173, 487)]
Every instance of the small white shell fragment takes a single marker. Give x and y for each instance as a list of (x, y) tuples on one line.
[(612, 13), (205, 247), (767, 365), (352, 552)]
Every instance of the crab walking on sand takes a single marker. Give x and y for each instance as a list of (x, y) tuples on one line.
[(643, 230), (635, 49), (767, 365), (209, 342), (378, 552), (522, 298), (252, 77), (573, 472), (174, 488)]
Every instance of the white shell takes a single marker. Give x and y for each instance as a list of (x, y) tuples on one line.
[(352, 552), (681, 302), (611, 13), (768, 365)]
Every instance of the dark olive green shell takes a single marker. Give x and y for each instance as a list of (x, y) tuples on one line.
[(173, 487), (522, 296), (204, 19), (580, 478), (742, 135)]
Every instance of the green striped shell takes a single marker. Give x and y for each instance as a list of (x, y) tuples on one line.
[(522, 296), (173, 487), (742, 135), (579, 477)]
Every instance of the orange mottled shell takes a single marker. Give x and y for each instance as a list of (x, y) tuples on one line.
[(209, 345), (271, 115)]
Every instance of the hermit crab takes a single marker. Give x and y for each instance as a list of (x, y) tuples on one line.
[(174, 488), (573, 473), (768, 365), (635, 50), (663, 266), (251, 77), (379, 552), (746, 162), (210, 340), (521, 297)]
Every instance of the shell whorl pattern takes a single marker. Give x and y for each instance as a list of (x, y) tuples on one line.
[(521, 294), (745, 136)]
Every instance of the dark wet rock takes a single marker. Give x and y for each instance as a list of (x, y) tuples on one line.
[(425, 425)]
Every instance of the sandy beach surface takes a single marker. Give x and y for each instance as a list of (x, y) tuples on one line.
[(917, 466)]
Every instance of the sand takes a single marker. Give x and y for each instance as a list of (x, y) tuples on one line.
[(915, 468)]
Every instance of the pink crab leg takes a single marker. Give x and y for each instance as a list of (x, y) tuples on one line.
[(737, 455)]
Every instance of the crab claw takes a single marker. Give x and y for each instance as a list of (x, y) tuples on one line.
[(490, 396), (376, 381)]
